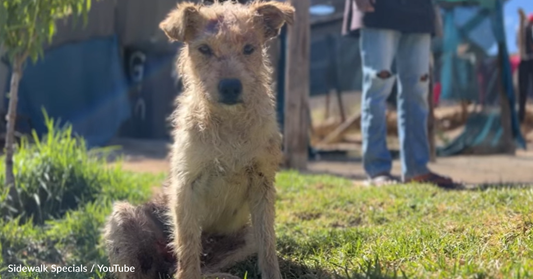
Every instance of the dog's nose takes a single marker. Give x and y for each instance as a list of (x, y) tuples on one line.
[(230, 91)]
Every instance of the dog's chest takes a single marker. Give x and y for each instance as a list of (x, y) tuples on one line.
[(226, 199), (231, 157)]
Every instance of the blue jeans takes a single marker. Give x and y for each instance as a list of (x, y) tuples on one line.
[(379, 48)]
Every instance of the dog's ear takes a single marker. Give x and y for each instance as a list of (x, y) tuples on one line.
[(272, 16), (183, 23)]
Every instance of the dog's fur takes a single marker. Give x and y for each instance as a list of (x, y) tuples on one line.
[(224, 157)]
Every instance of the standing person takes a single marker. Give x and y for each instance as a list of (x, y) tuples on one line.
[(389, 30), (525, 68)]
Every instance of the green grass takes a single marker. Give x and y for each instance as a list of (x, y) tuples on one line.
[(327, 227), (67, 193), (332, 229)]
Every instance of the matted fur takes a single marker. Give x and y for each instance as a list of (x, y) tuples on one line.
[(138, 236), (224, 157)]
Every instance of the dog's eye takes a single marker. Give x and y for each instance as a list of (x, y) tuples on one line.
[(248, 49), (205, 50)]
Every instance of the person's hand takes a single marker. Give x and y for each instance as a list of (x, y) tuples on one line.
[(522, 14), (366, 6)]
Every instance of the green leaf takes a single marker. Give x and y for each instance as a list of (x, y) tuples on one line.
[(37, 200), (25, 25), (51, 30)]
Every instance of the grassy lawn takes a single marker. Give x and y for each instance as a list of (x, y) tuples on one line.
[(327, 227)]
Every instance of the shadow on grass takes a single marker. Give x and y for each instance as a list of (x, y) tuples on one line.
[(294, 270), (489, 186), (330, 173), (344, 156), (500, 186)]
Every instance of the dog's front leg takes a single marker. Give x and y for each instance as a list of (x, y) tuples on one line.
[(263, 198), (186, 214)]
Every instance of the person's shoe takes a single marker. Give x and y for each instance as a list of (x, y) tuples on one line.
[(437, 180), (382, 180)]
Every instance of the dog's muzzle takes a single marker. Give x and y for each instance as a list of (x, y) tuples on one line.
[(230, 91)]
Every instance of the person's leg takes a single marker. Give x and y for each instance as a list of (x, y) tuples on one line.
[(530, 83), (413, 85), (378, 49), (527, 90), (523, 85), (412, 60)]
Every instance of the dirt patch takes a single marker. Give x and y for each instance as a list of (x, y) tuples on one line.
[(501, 169)]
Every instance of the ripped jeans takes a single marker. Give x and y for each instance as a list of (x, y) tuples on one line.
[(379, 48)]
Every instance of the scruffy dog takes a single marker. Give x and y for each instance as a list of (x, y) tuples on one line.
[(227, 145), (226, 149)]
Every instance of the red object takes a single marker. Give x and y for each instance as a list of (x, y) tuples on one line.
[(437, 88), (515, 61), (530, 18)]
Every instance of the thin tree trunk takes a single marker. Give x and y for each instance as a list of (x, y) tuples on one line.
[(10, 134)]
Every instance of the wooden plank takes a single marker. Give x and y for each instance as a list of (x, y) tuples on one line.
[(340, 104), (296, 137), (341, 129)]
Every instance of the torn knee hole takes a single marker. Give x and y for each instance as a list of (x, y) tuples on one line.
[(424, 77), (384, 74)]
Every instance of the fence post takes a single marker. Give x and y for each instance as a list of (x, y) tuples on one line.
[(296, 126)]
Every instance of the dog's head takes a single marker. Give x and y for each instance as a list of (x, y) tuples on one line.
[(224, 56)]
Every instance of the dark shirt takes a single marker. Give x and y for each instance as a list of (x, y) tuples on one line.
[(406, 16)]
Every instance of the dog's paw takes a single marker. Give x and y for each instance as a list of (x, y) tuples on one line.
[(219, 276)]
